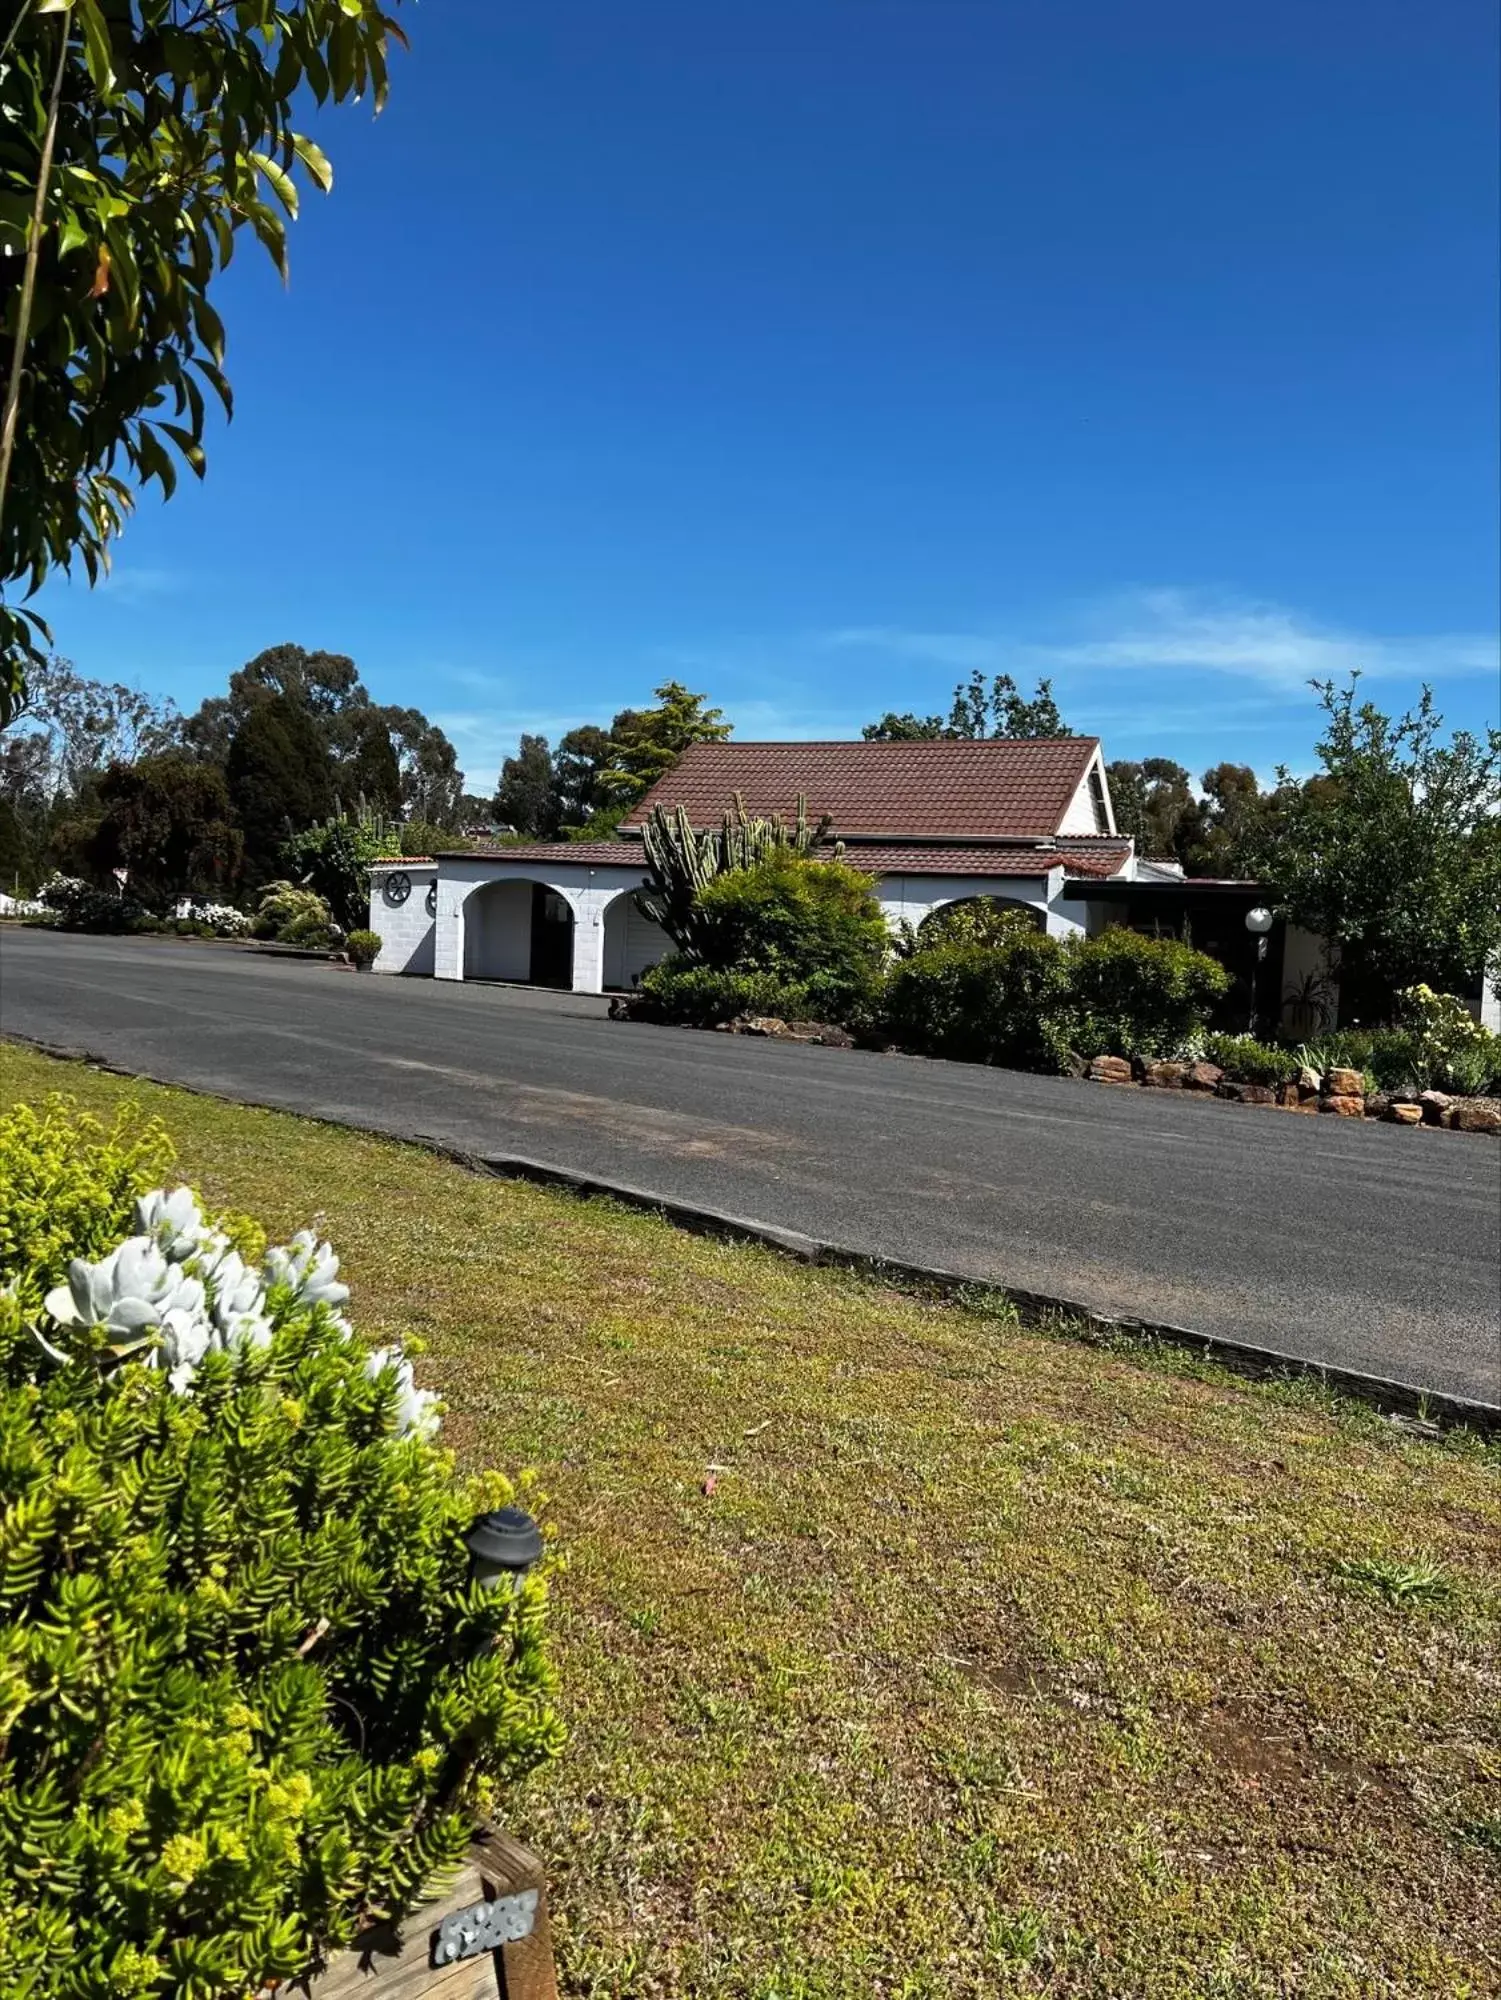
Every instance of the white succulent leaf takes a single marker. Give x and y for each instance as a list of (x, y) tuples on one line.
[(175, 1221), (238, 1302), (417, 1410), (130, 1292), (308, 1268)]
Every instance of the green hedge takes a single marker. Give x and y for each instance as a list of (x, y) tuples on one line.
[(807, 924), (1245, 1060), (1027, 1001), (248, 1693), (1138, 996), (1005, 1003), (697, 996)]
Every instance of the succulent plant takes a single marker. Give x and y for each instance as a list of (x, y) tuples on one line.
[(174, 1222), (238, 1302), (309, 1269), (134, 1295), (417, 1410)]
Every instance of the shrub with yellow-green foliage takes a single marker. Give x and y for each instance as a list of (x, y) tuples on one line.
[(248, 1693)]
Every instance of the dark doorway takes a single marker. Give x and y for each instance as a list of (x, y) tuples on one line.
[(552, 938)]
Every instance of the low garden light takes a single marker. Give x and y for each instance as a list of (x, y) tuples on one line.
[(1258, 922), (503, 1543)]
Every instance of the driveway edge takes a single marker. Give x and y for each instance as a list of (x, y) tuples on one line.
[(1426, 1409), (1430, 1409)]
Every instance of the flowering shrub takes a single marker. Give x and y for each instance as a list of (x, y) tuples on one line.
[(223, 919), (293, 915), (248, 1694), (1450, 1048)]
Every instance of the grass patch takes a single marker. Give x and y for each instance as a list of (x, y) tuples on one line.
[(992, 1663)]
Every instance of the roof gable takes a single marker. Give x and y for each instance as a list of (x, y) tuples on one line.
[(992, 789)]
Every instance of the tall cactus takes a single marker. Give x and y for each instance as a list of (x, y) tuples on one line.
[(681, 860)]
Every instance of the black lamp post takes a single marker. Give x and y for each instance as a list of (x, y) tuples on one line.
[(1258, 923)]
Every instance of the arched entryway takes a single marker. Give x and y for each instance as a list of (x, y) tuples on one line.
[(943, 916), (633, 943), (519, 930)]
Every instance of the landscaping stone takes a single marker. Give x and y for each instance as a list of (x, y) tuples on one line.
[(1437, 1105), (1109, 1069), (1377, 1104), (1344, 1106), (1203, 1076), (1309, 1081), (1405, 1114), (1344, 1083), (1161, 1075), (1476, 1114), (1248, 1093), (1289, 1096)]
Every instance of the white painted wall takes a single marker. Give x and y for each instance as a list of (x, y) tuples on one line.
[(632, 943), (498, 931), (406, 930), (1490, 1003), (910, 898), (612, 941), (588, 891), (1080, 816)]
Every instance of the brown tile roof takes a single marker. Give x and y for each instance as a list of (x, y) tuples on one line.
[(1078, 856), (995, 790)]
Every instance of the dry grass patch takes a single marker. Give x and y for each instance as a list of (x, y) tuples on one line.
[(993, 1663)]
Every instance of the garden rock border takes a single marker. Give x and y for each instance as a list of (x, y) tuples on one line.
[(1341, 1093)]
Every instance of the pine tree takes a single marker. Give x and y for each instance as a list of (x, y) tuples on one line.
[(280, 781)]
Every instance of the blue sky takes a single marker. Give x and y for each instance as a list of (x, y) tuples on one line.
[(814, 351)]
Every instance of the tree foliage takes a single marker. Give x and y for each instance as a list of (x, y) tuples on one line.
[(280, 781), (981, 708), (333, 859), (526, 798), (137, 141), (595, 776), (645, 743), (1393, 852), (165, 820)]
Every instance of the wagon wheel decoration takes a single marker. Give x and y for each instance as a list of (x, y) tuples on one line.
[(430, 900), (398, 887)]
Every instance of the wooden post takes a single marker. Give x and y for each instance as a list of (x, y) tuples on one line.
[(396, 1963)]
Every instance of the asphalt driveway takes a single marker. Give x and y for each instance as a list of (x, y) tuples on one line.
[(1362, 1246)]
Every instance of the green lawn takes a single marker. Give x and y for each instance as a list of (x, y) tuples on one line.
[(990, 1663)]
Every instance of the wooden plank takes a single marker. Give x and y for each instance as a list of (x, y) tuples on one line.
[(391, 1963)]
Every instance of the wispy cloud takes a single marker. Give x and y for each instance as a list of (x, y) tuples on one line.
[(1167, 629), (142, 586)]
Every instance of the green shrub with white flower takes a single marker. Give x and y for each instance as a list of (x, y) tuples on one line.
[(250, 1698)]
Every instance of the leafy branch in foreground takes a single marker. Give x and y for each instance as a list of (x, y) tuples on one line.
[(137, 139)]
